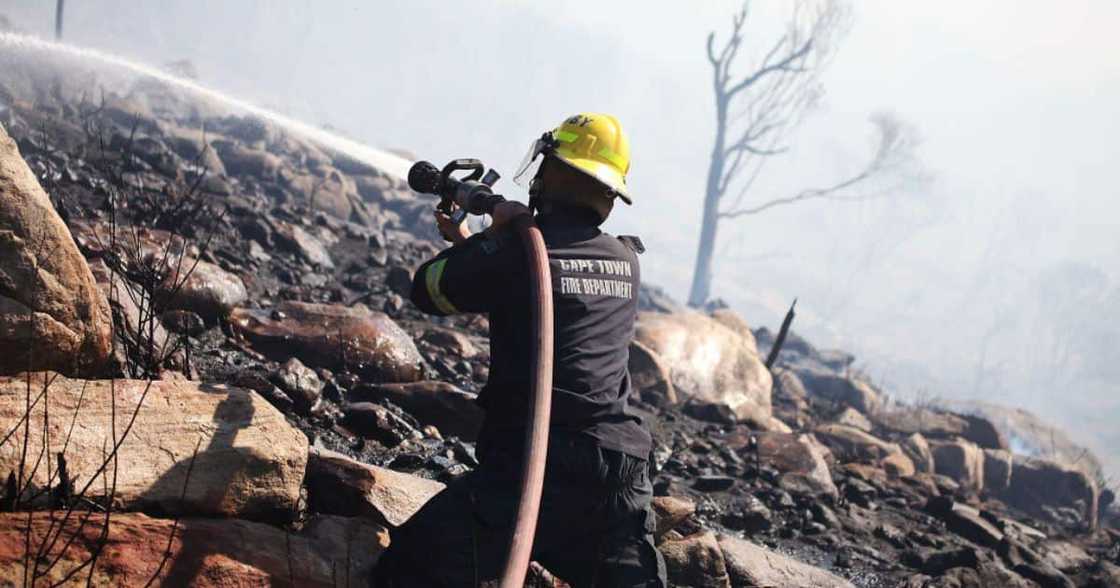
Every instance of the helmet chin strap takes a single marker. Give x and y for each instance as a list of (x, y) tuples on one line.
[(537, 201)]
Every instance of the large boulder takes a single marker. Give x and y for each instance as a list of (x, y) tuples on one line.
[(998, 465), (250, 461), (983, 432), (52, 315), (201, 287), (308, 247), (961, 460), (141, 551), (1041, 486), (671, 511), (650, 376), (334, 337), (327, 190), (800, 461), (709, 362), (451, 410), (917, 448), (339, 485), (851, 444), (844, 390), (965, 521), (241, 160), (749, 564), (695, 561), (853, 418)]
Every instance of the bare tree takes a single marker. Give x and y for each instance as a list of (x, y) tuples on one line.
[(756, 112)]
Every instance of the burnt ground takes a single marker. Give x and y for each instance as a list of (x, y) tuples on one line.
[(134, 162)]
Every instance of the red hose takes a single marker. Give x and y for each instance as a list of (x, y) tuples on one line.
[(540, 406)]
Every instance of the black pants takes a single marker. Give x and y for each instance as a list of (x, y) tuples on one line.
[(595, 526)]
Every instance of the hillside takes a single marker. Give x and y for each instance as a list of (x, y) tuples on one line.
[(226, 300)]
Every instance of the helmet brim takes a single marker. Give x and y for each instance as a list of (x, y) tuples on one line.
[(604, 173)]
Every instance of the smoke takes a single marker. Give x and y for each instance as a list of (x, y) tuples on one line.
[(999, 281)]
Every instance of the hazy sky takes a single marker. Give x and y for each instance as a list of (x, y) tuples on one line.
[(941, 289)]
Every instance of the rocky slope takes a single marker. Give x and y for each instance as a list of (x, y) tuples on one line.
[(273, 384)]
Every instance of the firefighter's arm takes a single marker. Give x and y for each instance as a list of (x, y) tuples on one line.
[(462, 278)]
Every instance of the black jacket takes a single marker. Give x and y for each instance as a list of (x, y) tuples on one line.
[(595, 279)]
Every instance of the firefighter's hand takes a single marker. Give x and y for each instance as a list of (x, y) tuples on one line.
[(455, 233), (505, 212)]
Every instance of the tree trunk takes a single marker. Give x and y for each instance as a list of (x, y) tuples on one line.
[(702, 271), (58, 8)]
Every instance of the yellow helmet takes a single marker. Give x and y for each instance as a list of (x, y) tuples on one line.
[(592, 143)]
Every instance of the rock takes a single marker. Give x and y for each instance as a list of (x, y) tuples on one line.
[(451, 410), (824, 515), (710, 412), (898, 464), (734, 321), (188, 144), (789, 388), (300, 383), (399, 280), (961, 460), (1065, 556), (775, 425), (981, 431), (932, 424), (938, 562), (671, 511), (965, 521), (853, 444), (203, 552), (917, 448), (52, 315), (713, 483), (1034, 436), (749, 564), (203, 288), (695, 561), (450, 341), (355, 167), (353, 544), (997, 470), (847, 391), (298, 241), (801, 461), (250, 461), (650, 377), (1107, 575), (708, 361), (328, 190), (183, 322), (339, 485), (853, 418), (1044, 575), (749, 515), (986, 573), (334, 337), (240, 160), (374, 421), (860, 492), (1038, 484)]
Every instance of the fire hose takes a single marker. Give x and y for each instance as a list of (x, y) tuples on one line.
[(473, 195)]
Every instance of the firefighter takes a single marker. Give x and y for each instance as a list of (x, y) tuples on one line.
[(595, 526)]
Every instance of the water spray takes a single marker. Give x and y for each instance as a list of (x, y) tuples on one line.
[(389, 163)]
